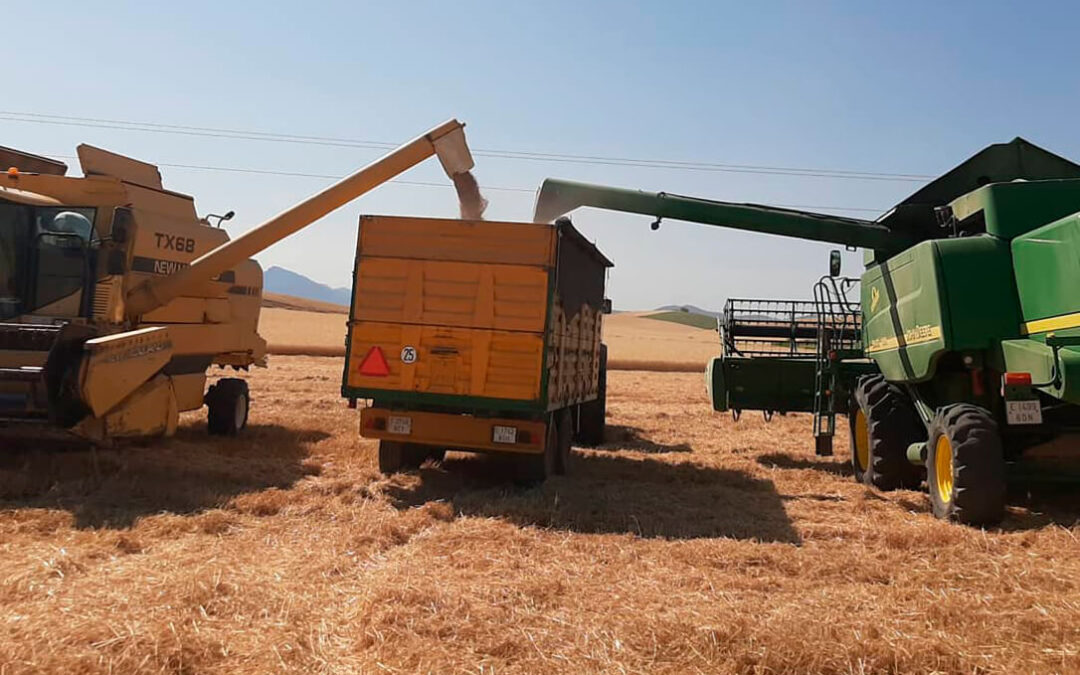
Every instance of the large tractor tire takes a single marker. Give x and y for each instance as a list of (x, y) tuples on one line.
[(592, 416), (533, 469), (966, 466), (883, 424), (395, 456), (228, 403)]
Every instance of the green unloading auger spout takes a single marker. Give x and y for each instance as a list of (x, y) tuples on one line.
[(559, 197), (909, 222)]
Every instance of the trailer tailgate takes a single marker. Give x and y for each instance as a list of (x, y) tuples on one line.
[(448, 308)]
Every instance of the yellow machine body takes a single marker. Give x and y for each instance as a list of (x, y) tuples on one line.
[(115, 297), (213, 323)]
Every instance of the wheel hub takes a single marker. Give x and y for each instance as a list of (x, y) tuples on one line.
[(943, 469), (241, 412), (862, 440)]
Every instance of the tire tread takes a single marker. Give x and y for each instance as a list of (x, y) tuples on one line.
[(979, 488), (220, 401), (893, 425)]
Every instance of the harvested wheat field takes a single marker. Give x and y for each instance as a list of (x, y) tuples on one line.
[(307, 332), (635, 342), (687, 543)]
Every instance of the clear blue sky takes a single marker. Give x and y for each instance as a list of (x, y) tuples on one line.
[(910, 87)]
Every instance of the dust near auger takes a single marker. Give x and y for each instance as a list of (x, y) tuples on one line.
[(471, 201)]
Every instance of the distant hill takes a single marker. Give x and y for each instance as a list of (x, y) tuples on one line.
[(690, 309), (691, 319), (286, 282)]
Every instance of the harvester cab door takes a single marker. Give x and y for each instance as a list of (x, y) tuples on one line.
[(62, 260), (47, 257), (14, 256)]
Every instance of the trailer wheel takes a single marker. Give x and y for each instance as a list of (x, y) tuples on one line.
[(966, 466), (536, 468), (565, 423), (228, 402), (592, 416), (395, 456), (883, 424)]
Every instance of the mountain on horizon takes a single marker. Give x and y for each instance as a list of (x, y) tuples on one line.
[(690, 309), (287, 282)]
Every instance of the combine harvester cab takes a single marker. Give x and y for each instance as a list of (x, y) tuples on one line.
[(115, 298), (477, 335), (970, 311)]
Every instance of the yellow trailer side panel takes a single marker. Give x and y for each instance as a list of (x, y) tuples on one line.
[(468, 295), (448, 360), (480, 241)]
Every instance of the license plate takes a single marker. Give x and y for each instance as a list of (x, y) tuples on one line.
[(399, 425), (504, 434), (1023, 412)]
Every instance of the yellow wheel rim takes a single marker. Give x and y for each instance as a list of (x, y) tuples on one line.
[(862, 440), (943, 471)]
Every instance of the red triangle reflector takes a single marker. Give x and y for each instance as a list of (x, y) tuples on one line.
[(374, 364)]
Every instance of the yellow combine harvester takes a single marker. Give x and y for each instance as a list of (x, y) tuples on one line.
[(115, 297)]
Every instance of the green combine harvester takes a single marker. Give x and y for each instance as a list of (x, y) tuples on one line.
[(967, 351)]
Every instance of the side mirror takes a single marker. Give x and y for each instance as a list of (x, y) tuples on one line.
[(834, 263), (123, 223), (606, 306)]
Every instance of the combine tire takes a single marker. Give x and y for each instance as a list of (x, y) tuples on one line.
[(592, 416), (395, 456), (228, 403), (883, 424), (966, 466), (535, 469), (565, 433)]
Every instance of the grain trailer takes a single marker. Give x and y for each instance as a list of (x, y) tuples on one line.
[(477, 335)]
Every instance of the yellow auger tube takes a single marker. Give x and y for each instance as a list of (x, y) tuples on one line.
[(446, 140)]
